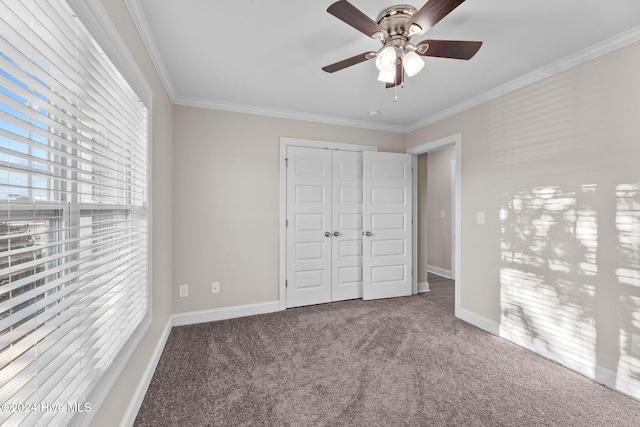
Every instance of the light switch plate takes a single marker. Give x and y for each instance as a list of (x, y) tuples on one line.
[(443, 214), (215, 287), (480, 218)]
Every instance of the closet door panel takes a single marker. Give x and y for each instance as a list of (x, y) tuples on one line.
[(387, 210), (309, 214), (347, 225)]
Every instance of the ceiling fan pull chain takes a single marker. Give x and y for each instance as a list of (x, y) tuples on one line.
[(395, 86)]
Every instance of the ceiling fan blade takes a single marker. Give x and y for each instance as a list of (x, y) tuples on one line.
[(348, 13), (454, 49), (349, 62), (399, 77), (432, 12)]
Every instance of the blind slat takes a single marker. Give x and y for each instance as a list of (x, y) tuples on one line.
[(65, 265), (84, 326), (110, 160)]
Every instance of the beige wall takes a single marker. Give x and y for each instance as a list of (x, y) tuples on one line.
[(554, 166), (112, 410), (435, 197), (226, 186)]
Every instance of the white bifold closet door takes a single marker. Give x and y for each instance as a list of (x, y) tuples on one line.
[(325, 217), (387, 225), (324, 232)]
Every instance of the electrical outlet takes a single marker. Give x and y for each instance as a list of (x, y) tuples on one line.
[(184, 291), (635, 345), (443, 214), (215, 287)]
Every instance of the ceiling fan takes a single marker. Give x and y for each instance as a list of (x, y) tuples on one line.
[(394, 27)]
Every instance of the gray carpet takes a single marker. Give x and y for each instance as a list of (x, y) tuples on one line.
[(397, 362)]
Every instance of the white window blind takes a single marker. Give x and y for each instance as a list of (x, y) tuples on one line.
[(73, 214)]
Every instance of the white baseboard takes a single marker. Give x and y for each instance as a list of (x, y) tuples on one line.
[(620, 382), (225, 313), (439, 271), (625, 384), (423, 287), (134, 406), (479, 321)]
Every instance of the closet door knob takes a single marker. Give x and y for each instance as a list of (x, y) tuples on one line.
[(335, 233), (368, 234), (327, 234)]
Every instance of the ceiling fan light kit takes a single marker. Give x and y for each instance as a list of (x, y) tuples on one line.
[(394, 27)]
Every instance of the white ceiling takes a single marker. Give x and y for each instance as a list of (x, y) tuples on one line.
[(266, 56)]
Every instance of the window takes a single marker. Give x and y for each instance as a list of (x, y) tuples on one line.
[(74, 180)]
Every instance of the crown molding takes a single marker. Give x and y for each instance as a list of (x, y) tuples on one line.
[(621, 40), (595, 51), (141, 23), (284, 114), (135, 9)]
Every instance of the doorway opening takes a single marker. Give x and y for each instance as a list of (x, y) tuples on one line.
[(441, 276), (436, 194)]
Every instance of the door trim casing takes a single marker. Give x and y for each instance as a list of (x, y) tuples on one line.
[(446, 142), (282, 215)]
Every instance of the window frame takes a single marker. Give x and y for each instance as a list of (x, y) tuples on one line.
[(96, 20)]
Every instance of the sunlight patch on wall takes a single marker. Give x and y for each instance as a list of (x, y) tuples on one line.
[(628, 275), (548, 247)]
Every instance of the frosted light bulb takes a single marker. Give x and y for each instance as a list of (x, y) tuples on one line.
[(412, 63), (386, 59)]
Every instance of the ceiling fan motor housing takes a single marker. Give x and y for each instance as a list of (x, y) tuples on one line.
[(394, 20)]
